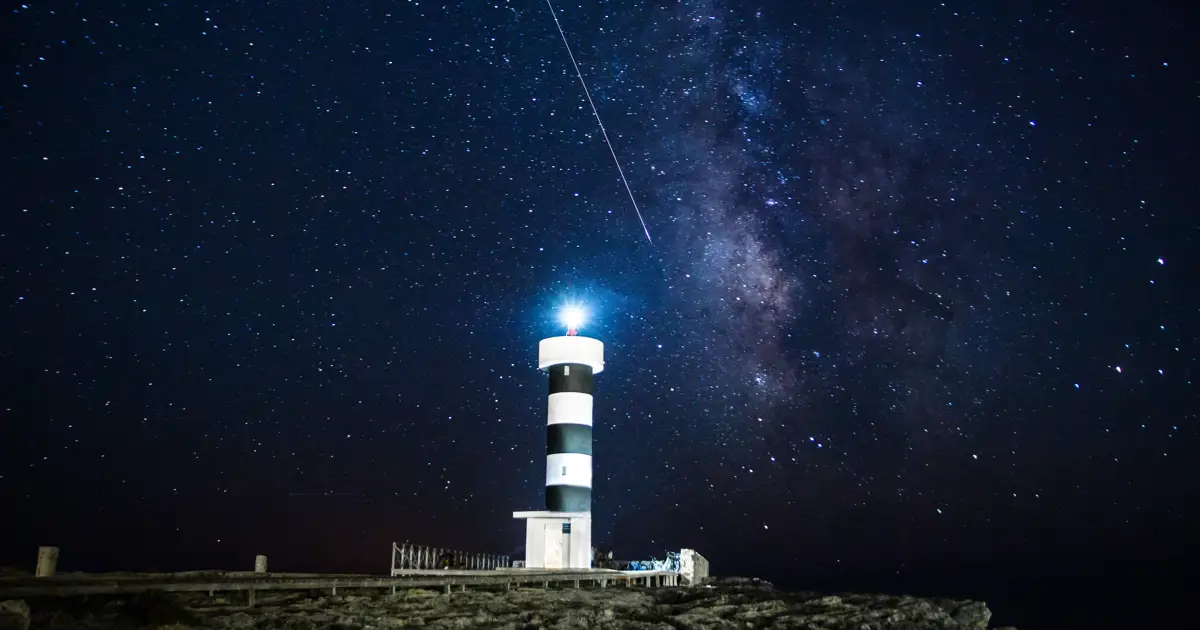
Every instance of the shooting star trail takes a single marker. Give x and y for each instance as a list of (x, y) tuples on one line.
[(600, 122)]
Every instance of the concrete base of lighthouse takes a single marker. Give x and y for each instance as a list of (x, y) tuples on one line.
[(557, 540)]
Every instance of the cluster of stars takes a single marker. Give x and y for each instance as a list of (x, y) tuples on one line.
[(316, 250)]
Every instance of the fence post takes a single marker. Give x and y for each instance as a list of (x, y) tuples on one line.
[(47, 562), (392, 569)]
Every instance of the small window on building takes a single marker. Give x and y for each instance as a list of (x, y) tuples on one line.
[(564, 471), (566, 370), (566, 528)]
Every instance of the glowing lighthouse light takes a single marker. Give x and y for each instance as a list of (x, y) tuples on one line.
[(572, 317)]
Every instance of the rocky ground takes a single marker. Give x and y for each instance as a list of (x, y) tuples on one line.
[(729, 603)]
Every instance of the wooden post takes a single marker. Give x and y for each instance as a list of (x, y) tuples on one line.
[(260, 564), (250, 597), (576, 583), (392, 569), (447, 588)]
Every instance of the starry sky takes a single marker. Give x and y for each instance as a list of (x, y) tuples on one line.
[(915, 314)]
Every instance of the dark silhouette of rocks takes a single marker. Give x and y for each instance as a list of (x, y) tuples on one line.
[(721, 604)]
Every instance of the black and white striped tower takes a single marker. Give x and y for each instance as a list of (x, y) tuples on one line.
[(572, 363), (560, 537)]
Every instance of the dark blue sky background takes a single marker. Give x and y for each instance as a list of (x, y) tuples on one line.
[(916, 315)]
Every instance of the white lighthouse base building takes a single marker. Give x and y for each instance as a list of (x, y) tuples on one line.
[(557, 540)]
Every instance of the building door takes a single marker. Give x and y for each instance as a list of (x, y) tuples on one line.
[(555, 543)]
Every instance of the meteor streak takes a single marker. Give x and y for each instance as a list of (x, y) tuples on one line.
[(600, 122)]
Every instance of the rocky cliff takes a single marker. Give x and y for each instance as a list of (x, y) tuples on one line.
[(729, 603)]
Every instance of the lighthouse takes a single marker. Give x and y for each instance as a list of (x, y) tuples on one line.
[(560, 537)]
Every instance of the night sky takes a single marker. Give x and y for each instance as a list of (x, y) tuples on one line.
[(915, 316)]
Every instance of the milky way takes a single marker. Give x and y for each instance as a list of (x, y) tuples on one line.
[(800, 196)]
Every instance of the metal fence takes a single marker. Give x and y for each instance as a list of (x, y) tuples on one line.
[(410, 557)]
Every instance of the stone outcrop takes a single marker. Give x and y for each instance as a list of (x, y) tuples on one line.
[(718, 605), (14, 615)]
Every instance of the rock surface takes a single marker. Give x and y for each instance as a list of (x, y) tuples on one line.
[(722, 604), (14, 615)]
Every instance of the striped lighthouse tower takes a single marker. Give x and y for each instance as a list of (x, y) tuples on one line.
[(561, 536), (572, 363)]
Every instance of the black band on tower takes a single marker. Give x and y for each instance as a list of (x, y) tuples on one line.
[(568, 499), (571, 377), (568, 438)]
